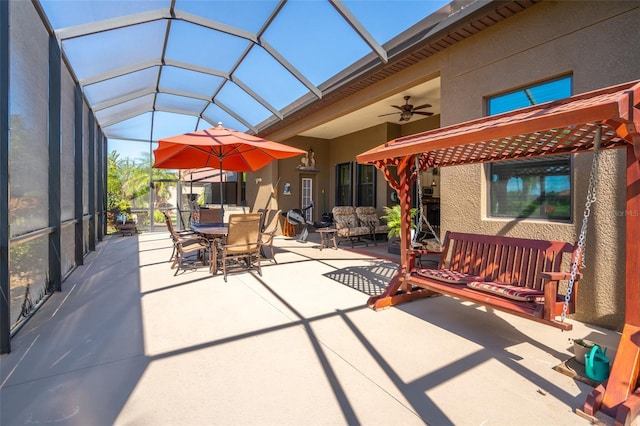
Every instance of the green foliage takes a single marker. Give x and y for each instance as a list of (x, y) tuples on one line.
[(128, 182), (158, 217), (392, 217)]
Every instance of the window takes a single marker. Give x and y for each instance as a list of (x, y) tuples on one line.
[(307, 198), (537, 188), (366, 185), (362, 190), (532, 95), (343, 184)]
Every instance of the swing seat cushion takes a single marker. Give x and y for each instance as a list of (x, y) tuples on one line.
[(447, 276), (509, 291)]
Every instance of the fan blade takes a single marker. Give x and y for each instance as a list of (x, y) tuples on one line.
[(399, 107), (428, 114), (422, 106), (391, 113)]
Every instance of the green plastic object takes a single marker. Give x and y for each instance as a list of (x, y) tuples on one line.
[(596, 364)]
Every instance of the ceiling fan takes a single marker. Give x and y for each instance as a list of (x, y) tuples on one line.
[(407, 110)]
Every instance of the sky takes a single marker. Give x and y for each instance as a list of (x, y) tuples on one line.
[(310, 35)]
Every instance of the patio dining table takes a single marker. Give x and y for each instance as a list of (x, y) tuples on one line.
[(212, 232)]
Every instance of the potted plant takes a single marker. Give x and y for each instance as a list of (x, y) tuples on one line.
[(581, 347), (392, 217)]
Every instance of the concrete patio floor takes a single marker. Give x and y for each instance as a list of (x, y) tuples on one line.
[(129, 343)]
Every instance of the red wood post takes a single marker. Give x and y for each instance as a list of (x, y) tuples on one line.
[(632, 313), (397, 291), (404, 173), (619, 396)]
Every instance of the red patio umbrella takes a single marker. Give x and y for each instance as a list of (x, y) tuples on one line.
[(220, 148)]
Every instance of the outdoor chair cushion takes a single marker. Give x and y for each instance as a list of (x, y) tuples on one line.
[(347, 222), (368, 216), (447, 276), (509, 291)]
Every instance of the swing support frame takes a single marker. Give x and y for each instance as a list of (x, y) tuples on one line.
[(567, 126)]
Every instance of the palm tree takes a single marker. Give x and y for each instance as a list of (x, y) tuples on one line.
[(129, 181), (114, 182)]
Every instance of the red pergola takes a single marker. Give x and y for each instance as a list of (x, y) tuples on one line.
[(560, 127)]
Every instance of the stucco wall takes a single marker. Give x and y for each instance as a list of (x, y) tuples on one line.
[(596, 42), (534, 46), (265, 186), (345, 148)]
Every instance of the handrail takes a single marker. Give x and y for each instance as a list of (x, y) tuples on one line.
[(32, 235)]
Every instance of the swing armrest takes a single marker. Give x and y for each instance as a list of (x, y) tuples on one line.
[(417, 252), (558, 276)]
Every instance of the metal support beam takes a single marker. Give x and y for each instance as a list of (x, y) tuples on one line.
[(5, 334), (232, 113), (101, 184), (55, 125), (77, 179), (289, 66), (92, 182), (360, 29), (84, 30)]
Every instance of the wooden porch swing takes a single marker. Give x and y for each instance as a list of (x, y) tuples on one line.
[(610, 118)]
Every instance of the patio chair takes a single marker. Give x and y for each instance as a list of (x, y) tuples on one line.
[(194, 245), (210, 215), (348, 226), (268, 230), (174, 234), (369, 217), (241, 247)]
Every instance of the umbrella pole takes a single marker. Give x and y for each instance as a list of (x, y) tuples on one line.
[(221, 199)]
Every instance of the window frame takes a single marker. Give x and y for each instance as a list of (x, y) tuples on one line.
[(306, 197), (489, 168), (545, 210), (530, 100), (348, 193), (359, 185)]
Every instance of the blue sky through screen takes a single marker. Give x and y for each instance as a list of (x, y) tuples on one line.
[(551, 183), (311, 35), (533, 95)]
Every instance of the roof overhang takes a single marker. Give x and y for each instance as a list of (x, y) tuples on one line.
[(559, 127)]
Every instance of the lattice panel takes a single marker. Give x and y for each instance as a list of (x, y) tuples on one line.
[(568, 126), (550, 142)]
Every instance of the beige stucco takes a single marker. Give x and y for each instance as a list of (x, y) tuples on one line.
[(596, 42), (533, 46)]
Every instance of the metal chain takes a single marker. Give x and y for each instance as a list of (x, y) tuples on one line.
[(579, 258), (435, 236), (423, 217)]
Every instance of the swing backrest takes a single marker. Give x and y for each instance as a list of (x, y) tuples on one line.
[(516, 261)]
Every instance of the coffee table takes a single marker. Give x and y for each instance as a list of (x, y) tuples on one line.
[(327, 235)]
